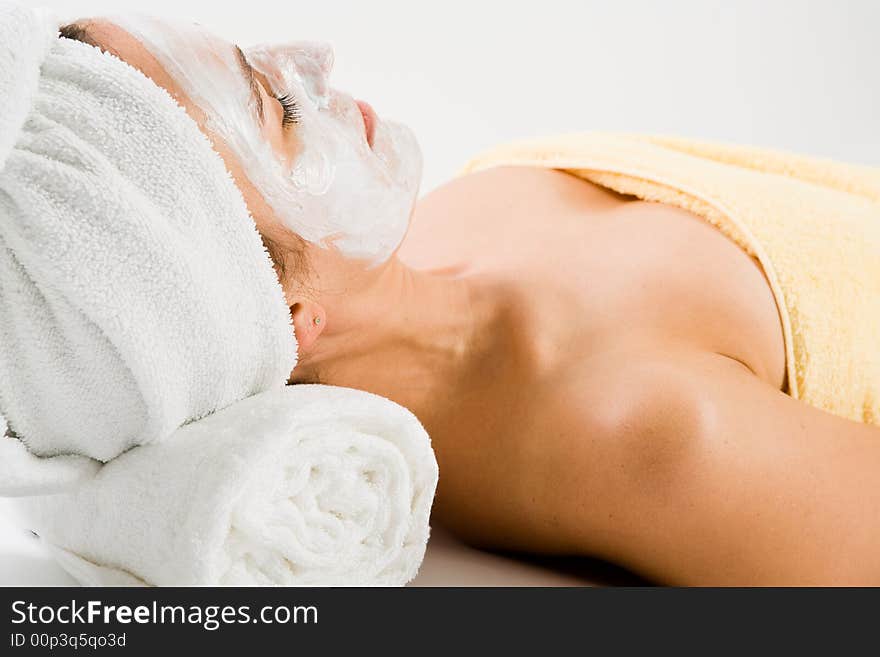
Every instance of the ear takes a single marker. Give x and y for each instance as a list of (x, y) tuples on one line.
[(309, 320)]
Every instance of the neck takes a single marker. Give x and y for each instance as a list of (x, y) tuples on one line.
[(409, 335)]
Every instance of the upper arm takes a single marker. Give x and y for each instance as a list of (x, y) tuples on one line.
[(706, 474)]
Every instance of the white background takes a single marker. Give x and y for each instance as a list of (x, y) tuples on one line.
[(466, 75), (797, 75)]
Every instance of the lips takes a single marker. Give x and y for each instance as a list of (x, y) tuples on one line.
[(370, 120)]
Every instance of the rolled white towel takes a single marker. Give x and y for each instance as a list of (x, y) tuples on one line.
[(305, 485)]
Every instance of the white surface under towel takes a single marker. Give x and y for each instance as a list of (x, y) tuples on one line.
[(306, 485)]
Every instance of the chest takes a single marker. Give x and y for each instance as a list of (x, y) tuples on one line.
[(599, 268)]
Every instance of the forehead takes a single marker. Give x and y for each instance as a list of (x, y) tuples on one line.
[(117, 41), (185, 48)]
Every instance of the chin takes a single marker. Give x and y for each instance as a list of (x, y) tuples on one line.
[(396, 146)]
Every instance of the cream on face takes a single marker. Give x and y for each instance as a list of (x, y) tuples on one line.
[(327, 182)]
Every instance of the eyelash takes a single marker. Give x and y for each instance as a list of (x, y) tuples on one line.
[(290, 109)]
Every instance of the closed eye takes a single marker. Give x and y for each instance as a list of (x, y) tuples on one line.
[(290, 109)]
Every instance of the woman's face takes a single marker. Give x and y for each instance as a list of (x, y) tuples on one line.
[(327, 166)]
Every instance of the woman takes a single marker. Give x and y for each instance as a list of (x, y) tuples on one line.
[(599, 375)]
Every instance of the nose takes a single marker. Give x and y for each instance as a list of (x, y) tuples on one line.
[(312, 62), (315, 61), (321, 54)]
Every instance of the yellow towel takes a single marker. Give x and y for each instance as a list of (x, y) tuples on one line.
[(813, 224)]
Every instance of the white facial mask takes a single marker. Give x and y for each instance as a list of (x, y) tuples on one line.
[(335, 188)]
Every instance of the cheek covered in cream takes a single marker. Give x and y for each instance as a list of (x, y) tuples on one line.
[(333, 187)]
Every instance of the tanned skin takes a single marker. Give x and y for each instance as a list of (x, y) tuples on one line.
[(600, 376)]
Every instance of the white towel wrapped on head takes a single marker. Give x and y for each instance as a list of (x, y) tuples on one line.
[(135, 292), (308, 484)]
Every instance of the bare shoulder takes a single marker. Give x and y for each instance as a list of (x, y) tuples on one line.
[(588, 433), (645, 399), (685, 466), (635, 407)]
